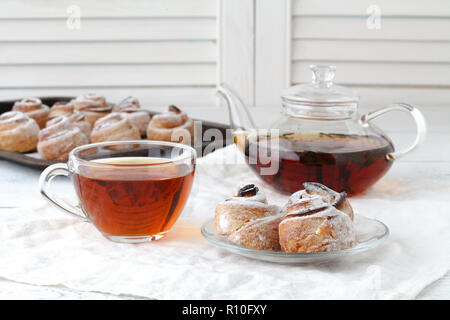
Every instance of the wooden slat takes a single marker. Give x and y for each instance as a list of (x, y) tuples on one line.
[(359, 7), (99, 29), (407, 59), (112, 8), (137, 52), (366, 50), (161, 51), (381, 73), (152, 98), (108, 75), (377, 97), (356, 29)]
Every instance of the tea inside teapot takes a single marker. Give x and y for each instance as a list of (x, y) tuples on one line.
[(350, 163)]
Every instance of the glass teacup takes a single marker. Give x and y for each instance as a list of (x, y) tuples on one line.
[(132, 191)]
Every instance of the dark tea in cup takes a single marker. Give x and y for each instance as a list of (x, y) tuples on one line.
[(134, 196), (131, 191)]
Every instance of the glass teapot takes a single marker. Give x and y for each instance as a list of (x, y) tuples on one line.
[(319, 137)]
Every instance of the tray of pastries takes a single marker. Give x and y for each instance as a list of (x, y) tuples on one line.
[(40, 131), (315, 224)]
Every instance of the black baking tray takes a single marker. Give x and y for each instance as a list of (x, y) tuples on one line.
[(27, 160)]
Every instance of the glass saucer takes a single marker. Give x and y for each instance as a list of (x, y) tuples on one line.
[(370, 233)]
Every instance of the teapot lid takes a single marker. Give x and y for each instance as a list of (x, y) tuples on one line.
[(321, 91)]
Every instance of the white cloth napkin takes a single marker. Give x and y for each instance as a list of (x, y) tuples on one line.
[(42, 246)]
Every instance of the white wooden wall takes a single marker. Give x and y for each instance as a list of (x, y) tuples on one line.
[(177, 51), (162, 51), (406, 59)]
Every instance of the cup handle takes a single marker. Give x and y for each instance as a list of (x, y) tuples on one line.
[(44, 181), (417, 116)]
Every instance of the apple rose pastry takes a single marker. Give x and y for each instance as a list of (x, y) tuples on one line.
[(173, 125), (34, 108), (249, 204), (77, 119), (260, 234), (132, 109), (57, 140), (129, 103), (317, 194), (114, 127), (93, 106), (312, 222), (18, 132), (60, 108)]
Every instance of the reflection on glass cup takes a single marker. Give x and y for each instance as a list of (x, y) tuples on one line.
[(132, 191)]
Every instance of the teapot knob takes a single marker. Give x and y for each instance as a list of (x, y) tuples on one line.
[(323, 75)]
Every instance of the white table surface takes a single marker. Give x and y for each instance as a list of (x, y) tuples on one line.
[(19, 185)]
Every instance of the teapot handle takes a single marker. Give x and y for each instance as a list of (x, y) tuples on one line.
[(414, 112)]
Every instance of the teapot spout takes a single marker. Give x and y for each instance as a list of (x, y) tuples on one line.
[(240, 118)]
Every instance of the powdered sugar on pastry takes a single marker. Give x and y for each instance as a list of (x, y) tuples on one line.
[(57, 140), (60, 109), (18, 132), (114, 127), (34, 108), (260, 234), (128, 104), (248, 205), (258, 197), (94, 107), (317, 195), (91, 102), (319, 230), (131, 108), (173, 125)]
